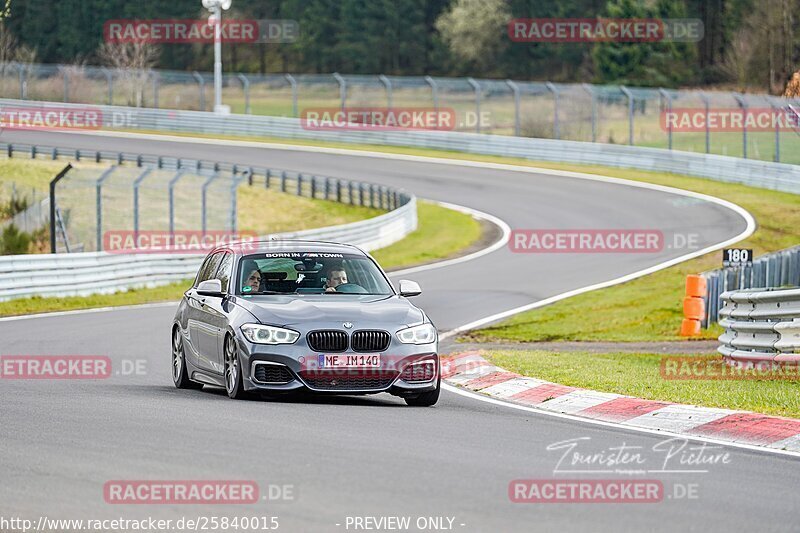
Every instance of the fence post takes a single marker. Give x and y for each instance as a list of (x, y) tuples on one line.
[(65, 74), (110, 82), (477, 88), (777, 156), (99, 204), (293, 84), (22, 83), (517, 119), (588, 88), (283, 181), (629, 95), (201, 84), (136, 184), (387, 83), (246, 88), (299, 184), (434, 93), (556, 126), (53, 183), (234, 187), (203, 209), (155, 87), (172, 183), (342, 89), (668, 100), (743, 105)]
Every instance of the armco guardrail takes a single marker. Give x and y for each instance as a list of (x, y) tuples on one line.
[(777, 269), (761, 326), (80, 274), (777, 176)]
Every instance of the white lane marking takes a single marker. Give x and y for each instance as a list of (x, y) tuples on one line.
[(480, 215), (85, 311), (574, 418)]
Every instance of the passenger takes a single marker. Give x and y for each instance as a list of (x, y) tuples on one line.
[(253, 282)]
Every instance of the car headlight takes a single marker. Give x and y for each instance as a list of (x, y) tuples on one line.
[(422, 334), (260, 334)]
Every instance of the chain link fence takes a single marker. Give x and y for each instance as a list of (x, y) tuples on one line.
[(580, 112)]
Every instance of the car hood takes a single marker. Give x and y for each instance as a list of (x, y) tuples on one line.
[(322, 310)]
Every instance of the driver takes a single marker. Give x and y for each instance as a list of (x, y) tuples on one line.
[(336, 276), (253, 281)]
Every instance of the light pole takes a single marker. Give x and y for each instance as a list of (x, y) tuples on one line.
[(217, 7)]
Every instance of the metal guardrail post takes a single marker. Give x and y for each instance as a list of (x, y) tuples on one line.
[(517, 118), (136, 184), (434, 93), (342, 90), (293, 84), (668, 100), (477, 88), (743, 105), (99, 204), (204, 201), (283, 181), (299, 184), (556, 97), (629, 95), (588, 88), (201, 84), (246, 88), (53, 184), (387, 83), (174, 180)]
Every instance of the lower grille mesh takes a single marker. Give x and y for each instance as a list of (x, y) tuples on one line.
[(272, 374)]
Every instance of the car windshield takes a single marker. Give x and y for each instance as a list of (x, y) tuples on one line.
[(310, 273)]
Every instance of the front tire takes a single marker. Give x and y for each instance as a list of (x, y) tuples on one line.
[(233, 371), (180, 376), (426, 399)]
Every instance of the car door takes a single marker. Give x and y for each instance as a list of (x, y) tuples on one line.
[(214, 316), (202, 330)]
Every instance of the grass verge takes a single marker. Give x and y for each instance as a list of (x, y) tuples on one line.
[(451, 231), (638, 374)]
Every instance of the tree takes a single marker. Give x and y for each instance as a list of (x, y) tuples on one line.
[(133, 62), (474, 30)]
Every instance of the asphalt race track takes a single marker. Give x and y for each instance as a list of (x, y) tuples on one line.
[(370, 456)]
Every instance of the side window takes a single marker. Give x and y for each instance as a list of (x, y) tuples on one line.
[(224, 271), (209, 268)]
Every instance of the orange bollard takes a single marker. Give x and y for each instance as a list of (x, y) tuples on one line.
[(690, 327), (694, 306), (696, 286)]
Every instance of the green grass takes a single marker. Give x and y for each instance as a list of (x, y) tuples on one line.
[(459, 232), (441, 233), (638, 374), (27, 175), (268, 211)]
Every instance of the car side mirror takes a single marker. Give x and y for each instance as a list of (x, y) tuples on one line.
[(210, 287), (409, 288)]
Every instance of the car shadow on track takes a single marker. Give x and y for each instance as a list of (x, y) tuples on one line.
[(217, 393)]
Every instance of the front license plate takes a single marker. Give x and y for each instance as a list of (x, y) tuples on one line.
[(350, 361)]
